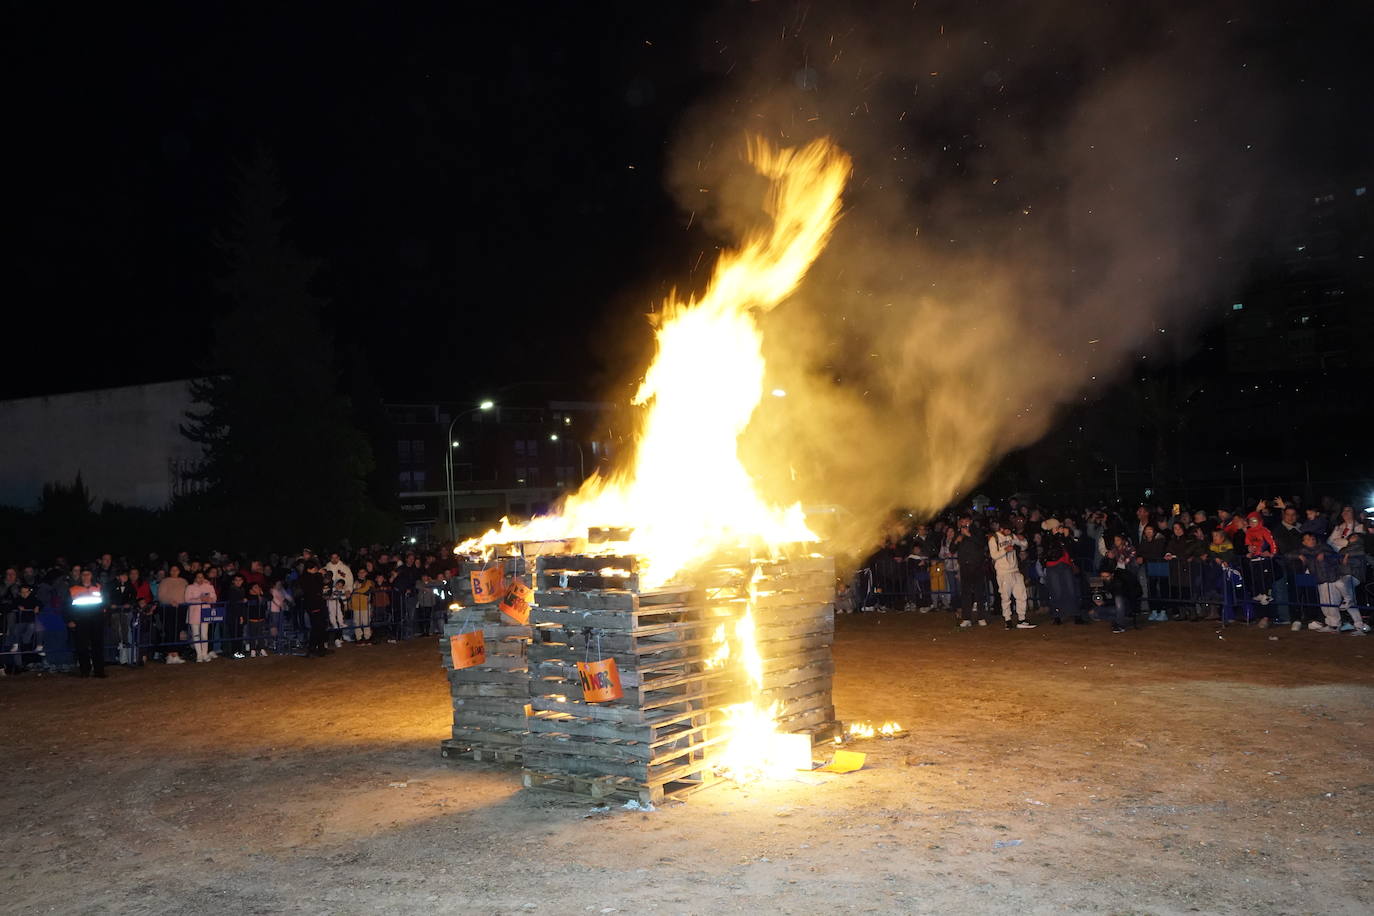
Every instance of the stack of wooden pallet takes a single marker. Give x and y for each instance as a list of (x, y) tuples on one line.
[(794, 616), (489, 700), (660, 739), (656, 740)]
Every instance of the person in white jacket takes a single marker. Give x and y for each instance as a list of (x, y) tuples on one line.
[(1005, 546), (339, 585), (337, 568), (1343, 529), (200, 594)]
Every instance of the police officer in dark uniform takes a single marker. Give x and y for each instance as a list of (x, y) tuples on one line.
[(86, 621)]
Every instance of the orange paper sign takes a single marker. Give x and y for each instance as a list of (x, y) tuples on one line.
[(600, 681), (468, 649), (516, 604), (486, 584)]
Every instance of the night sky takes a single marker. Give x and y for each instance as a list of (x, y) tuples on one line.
[(480, 183)]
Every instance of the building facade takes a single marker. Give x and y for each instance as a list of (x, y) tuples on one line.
[(1314, 301), (487, 464), (126, 444)]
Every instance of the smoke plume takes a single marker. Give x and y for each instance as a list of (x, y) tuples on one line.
[(1041, 194)]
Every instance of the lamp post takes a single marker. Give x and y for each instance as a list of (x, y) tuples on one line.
[(449, 446), (581, 461)]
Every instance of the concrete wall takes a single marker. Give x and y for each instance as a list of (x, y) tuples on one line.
[(120, 439)]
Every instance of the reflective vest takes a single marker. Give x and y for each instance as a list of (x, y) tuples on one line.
[(86, 591)]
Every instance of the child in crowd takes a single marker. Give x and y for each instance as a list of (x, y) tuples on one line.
[(360, 602), (255, 610)]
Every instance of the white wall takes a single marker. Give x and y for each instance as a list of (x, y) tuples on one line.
[(120, 439)]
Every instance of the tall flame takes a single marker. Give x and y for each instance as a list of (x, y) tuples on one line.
[(687, 494), (751, 746)]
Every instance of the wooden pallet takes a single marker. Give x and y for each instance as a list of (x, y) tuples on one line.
[(490, 701), (605, 789), (660, 738), (454, 749), (657, 740), (794, 615)]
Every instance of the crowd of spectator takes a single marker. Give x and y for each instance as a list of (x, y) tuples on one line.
[(1275, 561), (116, 611)]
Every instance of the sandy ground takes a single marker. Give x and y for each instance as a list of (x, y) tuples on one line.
[(1165, 771)]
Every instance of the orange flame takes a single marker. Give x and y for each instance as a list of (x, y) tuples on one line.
[(687, 494), (868, 730)]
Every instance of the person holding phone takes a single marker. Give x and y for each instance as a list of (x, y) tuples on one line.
[(200, 594)]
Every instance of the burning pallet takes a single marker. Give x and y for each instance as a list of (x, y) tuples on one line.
[(794, 614), (654, 741), (489, 700), (662, 737)]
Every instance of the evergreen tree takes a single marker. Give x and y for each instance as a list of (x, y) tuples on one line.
[(369, 415), (285, 464), (64, 520)]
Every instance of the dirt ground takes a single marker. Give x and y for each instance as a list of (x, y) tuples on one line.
[(1173, 770)]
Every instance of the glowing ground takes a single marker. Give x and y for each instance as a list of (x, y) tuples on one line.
[(1167, 771)]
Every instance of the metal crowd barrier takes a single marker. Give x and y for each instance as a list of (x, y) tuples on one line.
[(1252, 588), (907, 584), (1246, 590), (134, 635)]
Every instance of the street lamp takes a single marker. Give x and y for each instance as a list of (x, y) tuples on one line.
[(581, 461), (448, 462)]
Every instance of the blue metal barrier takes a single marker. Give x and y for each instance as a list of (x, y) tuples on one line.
[(1248, 590)]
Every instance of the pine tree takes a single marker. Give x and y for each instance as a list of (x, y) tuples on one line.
[(64, 520), (285, 465)]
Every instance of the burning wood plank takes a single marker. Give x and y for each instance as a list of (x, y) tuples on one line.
[(666, 734)]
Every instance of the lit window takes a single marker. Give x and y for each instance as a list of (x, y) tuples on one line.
[(1237, 306)]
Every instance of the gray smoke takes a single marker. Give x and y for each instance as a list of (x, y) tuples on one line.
[(1041, 195)]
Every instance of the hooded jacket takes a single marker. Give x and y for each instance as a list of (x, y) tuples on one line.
[(1005, 550), (1259, 539), (340, 570)]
